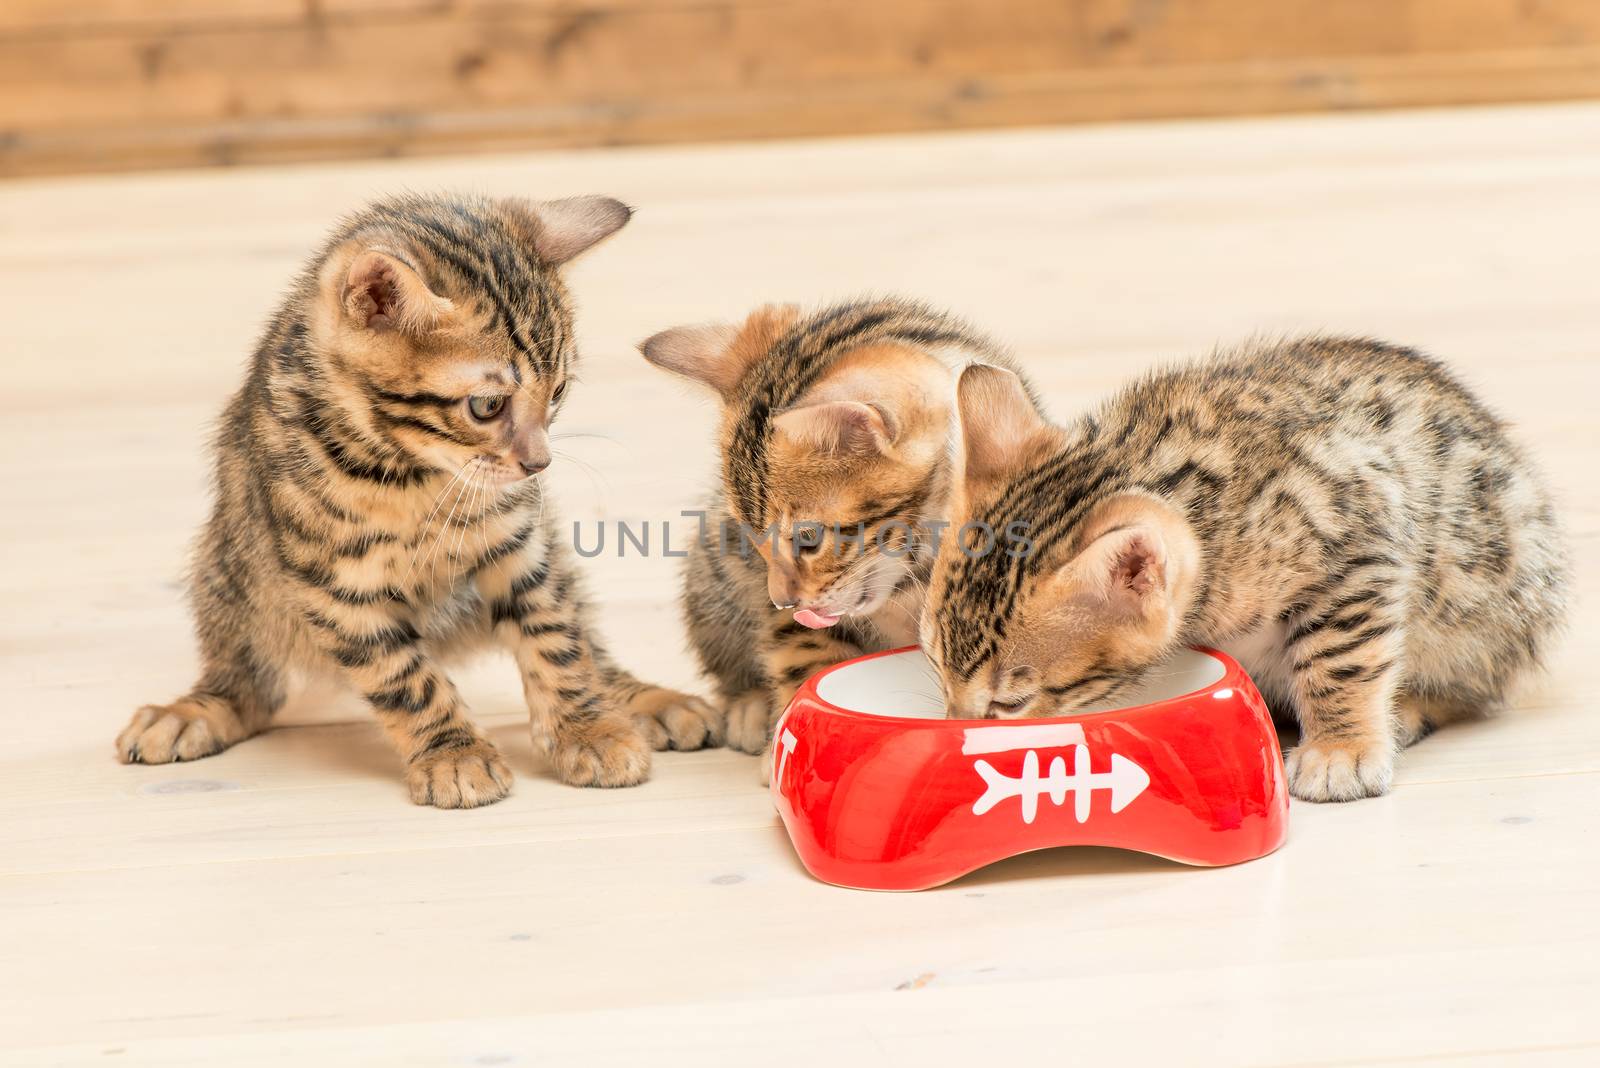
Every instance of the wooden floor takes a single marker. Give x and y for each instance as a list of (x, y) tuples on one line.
[(284, 900)]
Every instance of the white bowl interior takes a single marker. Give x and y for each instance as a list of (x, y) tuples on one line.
[(905, 685)]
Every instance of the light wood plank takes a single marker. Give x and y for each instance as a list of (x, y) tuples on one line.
[(1054, 923)]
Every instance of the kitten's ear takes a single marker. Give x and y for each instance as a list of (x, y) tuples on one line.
[(998, 420), (380, 292), (1126, 571), (839, 428), (1142, 556), (575, 224), (698, 352), (718, 354)]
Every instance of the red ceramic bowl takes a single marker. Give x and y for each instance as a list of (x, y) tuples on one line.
[(880, 792)]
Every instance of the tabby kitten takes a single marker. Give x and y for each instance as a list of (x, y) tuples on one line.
[(376, 508), (836, 436), (1341, 514)]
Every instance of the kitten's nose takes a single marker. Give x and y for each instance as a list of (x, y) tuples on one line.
[(531, 451), (782, 587)]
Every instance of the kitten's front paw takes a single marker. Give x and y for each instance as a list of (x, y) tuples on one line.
[(459, 778), (749, 721), (188, 729), (673, 720), (1329, 770), (608, 751)]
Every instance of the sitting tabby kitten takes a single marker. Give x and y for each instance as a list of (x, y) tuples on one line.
[(1342, 515), (376, 509), (842, 419)]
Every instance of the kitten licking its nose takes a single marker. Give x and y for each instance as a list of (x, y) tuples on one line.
[(376, 508), (836, 429), (1342, 515)]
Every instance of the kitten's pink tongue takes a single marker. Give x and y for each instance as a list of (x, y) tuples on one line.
[(815, 620)]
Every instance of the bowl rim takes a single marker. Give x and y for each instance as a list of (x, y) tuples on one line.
[(1232, 674)]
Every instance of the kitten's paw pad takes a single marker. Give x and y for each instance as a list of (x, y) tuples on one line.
[(1339, 771), (184, 730), (606, 752), (673, 720), (749, 721), (467, 777)]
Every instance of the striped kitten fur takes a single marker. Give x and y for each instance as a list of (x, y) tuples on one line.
[(839, 418), (375, 511), (1341, 514)]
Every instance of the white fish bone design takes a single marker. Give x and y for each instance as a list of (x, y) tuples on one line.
[(786, 742), (1126, 781)]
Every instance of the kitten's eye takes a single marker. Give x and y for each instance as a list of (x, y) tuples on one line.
[(808, 541), (560, 392), (1011, 706), (485, 408)]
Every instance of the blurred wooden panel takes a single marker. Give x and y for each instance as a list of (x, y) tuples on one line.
[(54, 16), (109, 84)]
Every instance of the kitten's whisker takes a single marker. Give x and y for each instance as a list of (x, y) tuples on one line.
[(469, 518), (915, 617), (438, 502), (595, 477), (627, 450), (585, 434), (924, 695), (489, 512), (438, 498), (444, 527)]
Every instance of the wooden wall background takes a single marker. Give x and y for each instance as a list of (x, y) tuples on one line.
[(114, 84)]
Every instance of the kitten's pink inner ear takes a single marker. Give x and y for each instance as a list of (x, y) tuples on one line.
[(838, 428), (1138, 568), (700, 352), (1132, 566), (575, 224), (998, 421), (382, 293)]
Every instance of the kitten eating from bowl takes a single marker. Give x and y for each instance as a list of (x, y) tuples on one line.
[(1342, 512)]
